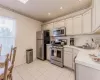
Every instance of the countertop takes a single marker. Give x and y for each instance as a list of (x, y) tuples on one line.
[(83, 57)]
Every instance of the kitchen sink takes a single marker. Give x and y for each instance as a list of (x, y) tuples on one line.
[(84, 47)]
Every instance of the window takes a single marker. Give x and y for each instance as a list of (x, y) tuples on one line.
[(7, 34)]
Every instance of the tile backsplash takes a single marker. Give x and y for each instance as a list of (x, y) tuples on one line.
[(82, 39)]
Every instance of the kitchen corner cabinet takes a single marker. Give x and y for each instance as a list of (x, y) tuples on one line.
[(96, 14), (77, 25), (69, 26), (97, 10), (48, 52), (87, 22), (59, 24)]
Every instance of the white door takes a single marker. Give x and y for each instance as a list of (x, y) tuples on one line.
[(77, 24), (68, 61), (87, 24), (59, 24), (69, 26)]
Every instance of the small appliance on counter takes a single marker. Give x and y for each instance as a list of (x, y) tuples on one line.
[(57, 53), (72, 41)]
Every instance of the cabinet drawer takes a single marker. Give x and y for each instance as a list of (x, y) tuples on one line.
[(68, 50)]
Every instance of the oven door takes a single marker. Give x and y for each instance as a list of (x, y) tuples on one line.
[(57, 54)]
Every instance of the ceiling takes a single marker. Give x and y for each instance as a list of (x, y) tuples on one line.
[(39, 9)]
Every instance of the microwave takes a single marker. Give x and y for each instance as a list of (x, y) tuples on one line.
[(59, 32)]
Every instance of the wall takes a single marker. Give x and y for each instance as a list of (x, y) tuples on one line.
[(82, 39), (25, 34)]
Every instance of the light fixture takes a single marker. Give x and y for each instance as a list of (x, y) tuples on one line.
[(61, 7), (23, 1), (49, 14)]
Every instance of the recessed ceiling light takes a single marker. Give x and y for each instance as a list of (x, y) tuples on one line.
[(49, 14), (61, 7), (23, 1)]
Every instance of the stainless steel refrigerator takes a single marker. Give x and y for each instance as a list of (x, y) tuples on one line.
[(42, 38)]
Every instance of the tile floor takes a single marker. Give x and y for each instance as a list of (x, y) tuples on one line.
[(42, 70)]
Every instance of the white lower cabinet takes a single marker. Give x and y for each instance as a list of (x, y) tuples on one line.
[(68, 61), (69, 57), (48, 51), (86, 73), (75, 52)]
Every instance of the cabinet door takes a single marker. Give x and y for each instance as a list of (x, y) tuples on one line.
[(77, 24), (75, 53), (87, 24), (68, 62), (50, 27), (48, 52), (97, 9), (94, 27), (96, 15), (44, 27), (59, 24), (69, 26)]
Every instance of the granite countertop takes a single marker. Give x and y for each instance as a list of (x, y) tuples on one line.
[(84, 59)]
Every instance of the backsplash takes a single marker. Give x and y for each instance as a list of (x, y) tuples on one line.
[(82, 39)]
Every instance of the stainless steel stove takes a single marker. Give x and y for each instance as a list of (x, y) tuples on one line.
[(57, 54)]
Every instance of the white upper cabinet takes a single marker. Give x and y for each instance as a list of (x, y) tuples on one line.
[(69, 26), (96, 14), (77, 25), (59, 24), (44, 27), (49, 27), (87, 22)]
